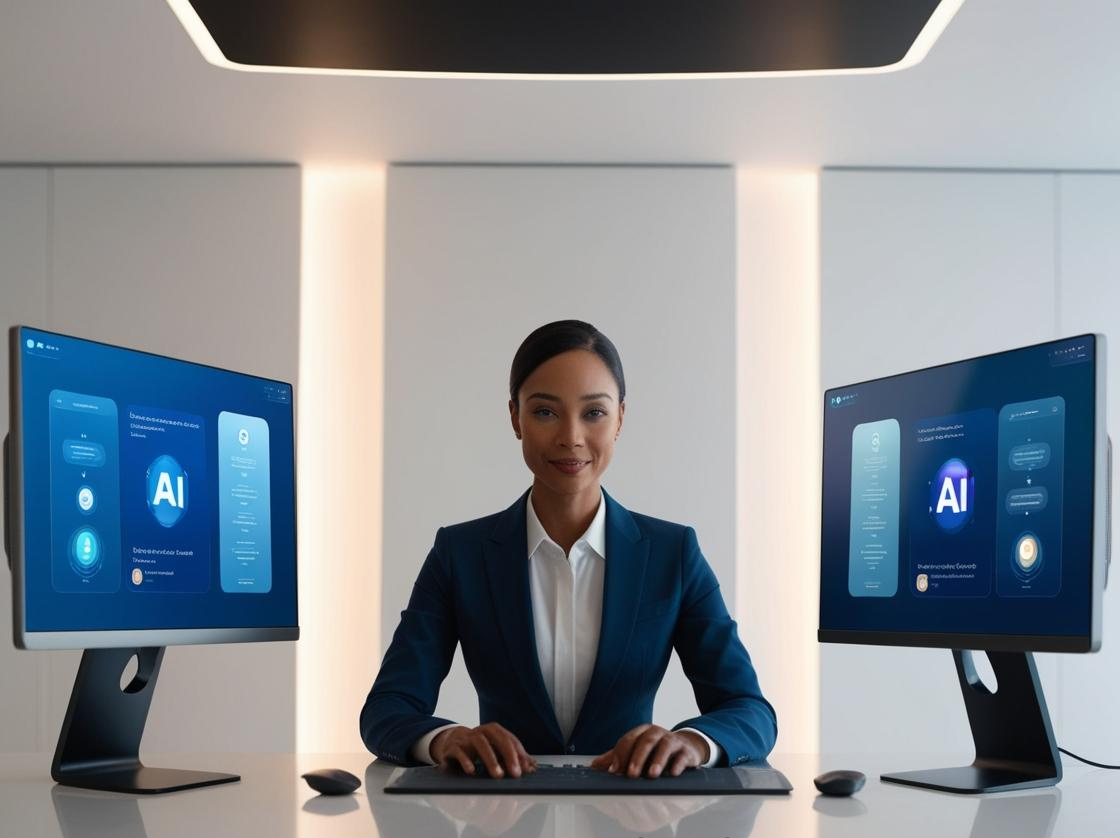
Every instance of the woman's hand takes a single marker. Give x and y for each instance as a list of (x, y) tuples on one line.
[(493, 745), (652, 750)]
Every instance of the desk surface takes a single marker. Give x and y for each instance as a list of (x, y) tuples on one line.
[(272, 800)]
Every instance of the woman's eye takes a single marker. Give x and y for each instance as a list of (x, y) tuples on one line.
[(594, 413)]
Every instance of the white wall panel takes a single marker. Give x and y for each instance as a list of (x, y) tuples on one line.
[(195, 262), (199, 263), (920, 268), (480, 256), (1089, 284), (24, 241)]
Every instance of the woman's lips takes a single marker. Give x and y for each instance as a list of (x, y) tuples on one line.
[(570, 466)]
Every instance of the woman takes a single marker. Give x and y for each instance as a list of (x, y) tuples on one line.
[(567, 606)]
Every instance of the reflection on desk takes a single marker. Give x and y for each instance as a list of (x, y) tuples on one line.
[(272, 800), (1022, 815), (1025, 815), (466, 817), (84, 812), (535, 816)]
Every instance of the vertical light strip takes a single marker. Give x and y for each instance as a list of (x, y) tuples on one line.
[(340, 404), (778, 442)]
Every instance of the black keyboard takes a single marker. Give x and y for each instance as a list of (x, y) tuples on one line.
[(756, 778)]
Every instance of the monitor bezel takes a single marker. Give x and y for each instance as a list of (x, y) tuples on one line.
[(115, 638), (1003, 642)]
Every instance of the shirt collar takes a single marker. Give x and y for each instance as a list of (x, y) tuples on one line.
[(595, 535)]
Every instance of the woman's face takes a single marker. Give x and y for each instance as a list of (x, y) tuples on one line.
[(569, 417)]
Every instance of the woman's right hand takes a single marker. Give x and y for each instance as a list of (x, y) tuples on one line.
[(491, 744)]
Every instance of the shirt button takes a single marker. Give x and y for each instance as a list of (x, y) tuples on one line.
[(571, 749)]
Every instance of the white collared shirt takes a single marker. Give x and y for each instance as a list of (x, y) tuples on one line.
[(566, 592), (567, 596)]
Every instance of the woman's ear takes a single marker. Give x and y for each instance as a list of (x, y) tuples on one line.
[(621, 413), (515, 418)]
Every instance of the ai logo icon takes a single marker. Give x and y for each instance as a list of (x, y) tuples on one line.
[(167, 490), (951, 493)]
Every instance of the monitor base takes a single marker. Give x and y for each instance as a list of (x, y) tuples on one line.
[(141, 779), (972, 779), (1015, 747), (99, 746)]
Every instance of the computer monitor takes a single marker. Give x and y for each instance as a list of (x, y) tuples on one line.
[(965, 506), (149, 502)]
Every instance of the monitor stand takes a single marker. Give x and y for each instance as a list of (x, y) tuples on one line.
[(1015, 747), (99, 747)]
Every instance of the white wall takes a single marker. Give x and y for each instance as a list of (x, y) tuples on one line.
[(661, 258), (921, 267), (24, 244), (477, 257), (194, 262), (1088, 283)]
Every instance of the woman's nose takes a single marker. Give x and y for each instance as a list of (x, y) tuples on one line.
[(570, 435)]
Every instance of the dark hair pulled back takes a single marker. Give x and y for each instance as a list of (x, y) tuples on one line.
[(555, 338)]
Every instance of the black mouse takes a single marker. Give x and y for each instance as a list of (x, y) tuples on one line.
[(839, 783), (332, 781)]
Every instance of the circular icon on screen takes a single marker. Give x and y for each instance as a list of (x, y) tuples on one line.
[(30, 343), (137, 576), (1028, 554), (168, 490), (951, 492), (922, 583), (87, 501), (85, 552), (243, 436)]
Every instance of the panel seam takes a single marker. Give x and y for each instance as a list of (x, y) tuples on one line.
[(1058, 674), (50, 248), (1057, 255)]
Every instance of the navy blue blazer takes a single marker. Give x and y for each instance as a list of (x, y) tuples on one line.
[(659, 594)]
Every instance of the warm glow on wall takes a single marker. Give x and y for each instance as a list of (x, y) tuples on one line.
[(339, 426), (779, 438)]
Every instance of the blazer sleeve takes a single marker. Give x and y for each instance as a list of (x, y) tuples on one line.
[(733, 711), (399, 708)]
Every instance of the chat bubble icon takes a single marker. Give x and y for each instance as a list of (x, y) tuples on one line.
[(1031, 455), (82, 452), (1020, 501)]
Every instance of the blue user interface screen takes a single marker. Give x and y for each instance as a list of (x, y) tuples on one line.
[(158, 494), (959, 499)]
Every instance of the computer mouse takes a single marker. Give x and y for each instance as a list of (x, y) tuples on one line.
[(332, 781), (839, 783)]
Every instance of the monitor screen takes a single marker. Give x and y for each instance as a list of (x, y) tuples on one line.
[(156, 498), (962, 505)]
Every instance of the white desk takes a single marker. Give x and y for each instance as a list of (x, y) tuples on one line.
[(271, 800)]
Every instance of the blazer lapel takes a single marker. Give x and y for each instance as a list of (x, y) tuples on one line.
[(627, 554), (507, 567)]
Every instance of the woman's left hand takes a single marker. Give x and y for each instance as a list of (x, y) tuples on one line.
[(652, 750)]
